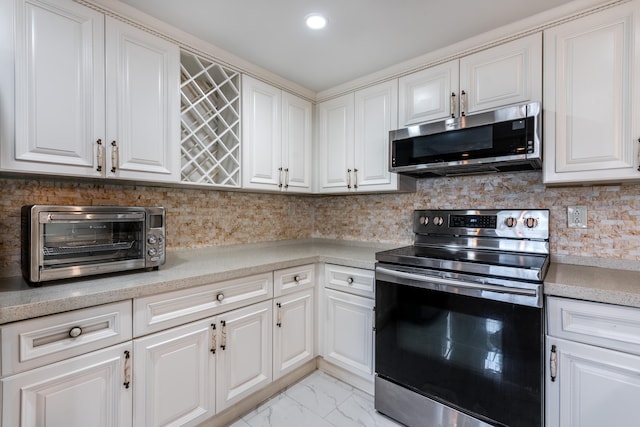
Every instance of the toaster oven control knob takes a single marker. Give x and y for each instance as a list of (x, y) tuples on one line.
[(152, 240), (152, 252), (511, 222), (531, 222), (438, 220), (424, 220), (75, 332)]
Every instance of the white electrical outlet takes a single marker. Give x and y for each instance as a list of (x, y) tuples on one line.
[(577, 216)]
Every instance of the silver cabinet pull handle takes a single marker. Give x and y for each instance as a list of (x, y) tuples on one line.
[(127, 369), (279, 320), (638, 154), (349, 178), (355, 175), (553, 363), (214, 334), (114, 156), (463, 103), (279, 177), (373, 319), (286, 178), (453, 105), (223, 339), (100, 155), (75, 332)]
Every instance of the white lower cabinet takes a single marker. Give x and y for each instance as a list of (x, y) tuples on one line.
[(593, 373), (244, 355), (293, 335), (349, 319), (174, 375), (88, 390)]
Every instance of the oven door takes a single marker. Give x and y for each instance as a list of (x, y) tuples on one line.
[(463, 342), (74, 244)]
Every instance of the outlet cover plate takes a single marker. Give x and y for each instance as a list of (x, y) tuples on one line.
[(577, 216)]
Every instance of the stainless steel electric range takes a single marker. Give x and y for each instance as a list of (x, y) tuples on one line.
[(459, 320)]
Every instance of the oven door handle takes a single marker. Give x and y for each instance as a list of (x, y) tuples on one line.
[(437, 283)]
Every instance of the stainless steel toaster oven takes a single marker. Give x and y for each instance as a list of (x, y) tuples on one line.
[(61, 242)]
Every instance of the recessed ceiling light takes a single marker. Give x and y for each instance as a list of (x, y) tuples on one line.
[(315, 21)]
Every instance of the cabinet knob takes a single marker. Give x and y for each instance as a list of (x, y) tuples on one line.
[(75, 332), (220, 296), (350, 280), (296, 279)]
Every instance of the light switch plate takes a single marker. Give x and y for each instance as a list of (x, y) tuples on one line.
[(577, 216)]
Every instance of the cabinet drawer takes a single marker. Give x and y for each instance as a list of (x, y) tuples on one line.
[(37, 342), (293, 279), (349, 279), (162, 311), (610, 326)]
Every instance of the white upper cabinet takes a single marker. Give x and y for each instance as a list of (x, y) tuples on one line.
[(507, 74), (591, 98), (143, 110), (353, 140), (72, 117), (276, 138)]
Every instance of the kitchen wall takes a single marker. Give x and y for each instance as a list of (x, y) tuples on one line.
[(195, 217), (198, 218), (612, 236)]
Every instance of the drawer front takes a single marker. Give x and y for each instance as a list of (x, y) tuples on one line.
[(37, 342), (158, 312), (293, 279), (348, 279), (605, 325)]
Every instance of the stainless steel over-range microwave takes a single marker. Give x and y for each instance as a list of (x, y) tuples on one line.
[(61, 242), (502, 140)]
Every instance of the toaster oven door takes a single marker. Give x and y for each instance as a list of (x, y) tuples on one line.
[(84, 243)]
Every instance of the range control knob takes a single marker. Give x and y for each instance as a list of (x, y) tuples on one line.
[(152, 240), (531, 222), (438, 220), (424, 220), (511, 222)]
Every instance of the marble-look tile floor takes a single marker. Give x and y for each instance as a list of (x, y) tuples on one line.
[(318, 400)]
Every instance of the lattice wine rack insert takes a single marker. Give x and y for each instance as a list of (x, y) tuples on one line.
[(210, 111)]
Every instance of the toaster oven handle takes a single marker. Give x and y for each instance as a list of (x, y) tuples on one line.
[(448, 285), (49, 217)]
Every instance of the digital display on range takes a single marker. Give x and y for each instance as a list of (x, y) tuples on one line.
[(473, 221)]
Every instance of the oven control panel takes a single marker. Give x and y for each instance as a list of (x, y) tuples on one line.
[(508, 223)]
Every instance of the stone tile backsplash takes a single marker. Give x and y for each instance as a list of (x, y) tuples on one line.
[(200, 217)]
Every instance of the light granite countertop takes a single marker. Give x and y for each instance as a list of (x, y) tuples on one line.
[(184, 268), (598, 284), (194, 267)]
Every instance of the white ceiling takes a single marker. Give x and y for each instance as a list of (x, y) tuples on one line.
[(362, 36)]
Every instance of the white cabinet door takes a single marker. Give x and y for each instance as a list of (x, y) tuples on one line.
[(507, 74), (594, 387), (143, 113), (83, 391), (296, 143), (349, 332), (59, 87), (261, 134), (335, 143), (591, 98), (244, 353), (510, 73), (276, 138), (429, 95), (293, 332), (93, 97), (376, 113), (174, 375)]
